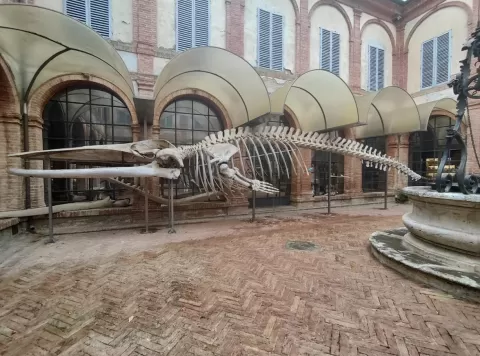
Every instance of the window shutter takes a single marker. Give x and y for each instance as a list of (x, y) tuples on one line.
[(335, 53), (77, 9), (427, 63), (325, 49), (372, 68), (202, 16), (277, 42), (380, 68), (263, 39), (184, 24), (100, 17), (443, 58)]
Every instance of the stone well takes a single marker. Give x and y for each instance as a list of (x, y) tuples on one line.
[(440, 244)]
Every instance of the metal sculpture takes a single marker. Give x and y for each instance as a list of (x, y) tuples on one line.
[(464, 87)]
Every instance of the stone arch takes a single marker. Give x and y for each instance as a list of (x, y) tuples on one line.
[(42, 95), (291, 118), (460, 4), (381, 24), (201, 95), (336, 6)]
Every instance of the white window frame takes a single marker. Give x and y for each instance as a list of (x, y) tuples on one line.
[(435, 66), (87, 15), (377, 46), (271, 42), (193, 25), (331, 55)]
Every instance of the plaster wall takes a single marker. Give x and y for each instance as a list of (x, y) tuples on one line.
[(159, 64), (217, 23), (452, 19), (331, 19), (166, 23), (375, 35), (130, 59), (349, 12), (366, 17), (122, 20), (56, 5), (437, 95), (282, 7)]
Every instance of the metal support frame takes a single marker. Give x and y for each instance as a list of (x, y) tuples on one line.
[(171, 229), (51, 239), (329, 181), (145, 181), (254, 198), (385, 197)]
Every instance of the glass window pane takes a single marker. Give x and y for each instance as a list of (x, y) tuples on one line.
[(78, 96), (199, 136), (167, 120), (100, 97), (168, 135), (101, 115), (183, 121), (118, 102), (200, 108), (200, 122), (184, 106), (122, 133), (171, 107), (78, 112), (214, 124), (184, 137), (121, 116)]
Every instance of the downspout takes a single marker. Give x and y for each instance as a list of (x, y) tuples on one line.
[(26, 148)]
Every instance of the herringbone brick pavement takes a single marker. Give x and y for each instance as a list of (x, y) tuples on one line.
[(239, 295)]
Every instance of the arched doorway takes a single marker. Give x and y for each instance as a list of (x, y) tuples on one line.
[(373, 179), (187, 121), (83, 116), (426, 149), (319, 176), (282, 182)]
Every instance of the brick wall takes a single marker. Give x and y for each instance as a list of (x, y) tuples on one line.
[(12, 189)]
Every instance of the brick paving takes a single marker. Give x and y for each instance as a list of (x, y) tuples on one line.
[(242, 294)]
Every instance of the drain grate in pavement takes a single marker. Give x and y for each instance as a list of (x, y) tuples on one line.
[(301, 245)]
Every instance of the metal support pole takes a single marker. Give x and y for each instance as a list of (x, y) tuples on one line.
[(51, 239), (329, 180), (254, 198), (145, 181), (171, 230), (386, 191)]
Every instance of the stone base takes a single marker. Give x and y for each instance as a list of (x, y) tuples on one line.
[(444, 269)]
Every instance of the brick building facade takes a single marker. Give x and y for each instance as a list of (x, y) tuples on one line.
[(146, 35)]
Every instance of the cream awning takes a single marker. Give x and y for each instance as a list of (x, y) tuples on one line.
[(426, 110), (389, 111), (320, 100), (227, 77), (39, 44)]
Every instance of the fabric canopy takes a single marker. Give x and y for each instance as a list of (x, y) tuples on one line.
[(225, 76), (320, 100), (39, 44), (389, 111)]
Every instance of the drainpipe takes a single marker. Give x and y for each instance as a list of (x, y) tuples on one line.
[(26, 148)]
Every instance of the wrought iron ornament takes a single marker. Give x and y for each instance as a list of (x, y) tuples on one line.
[(464, 87)]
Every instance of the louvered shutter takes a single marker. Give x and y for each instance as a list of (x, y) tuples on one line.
[(443, 58), (202, 16), (263, 38), (427, 63), (77, 9), (372, 68), (184, 24), (277, 42), (325, 49), (335, 53), (380, 69), (100, 17)]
